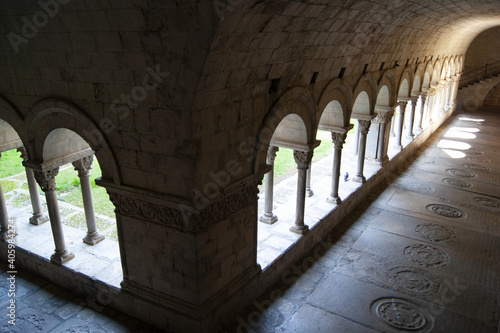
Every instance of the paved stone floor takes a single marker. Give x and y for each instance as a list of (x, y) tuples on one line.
[(420, 255)]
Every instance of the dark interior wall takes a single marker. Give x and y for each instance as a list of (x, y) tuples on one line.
[(484, 49), (493, 98)]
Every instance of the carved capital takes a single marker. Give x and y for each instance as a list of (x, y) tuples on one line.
[(338, 139), (84, 165), (402, 106), (46, 179), (423, 97), (364, 126), (271, 154), (302, 158), (24, 154), (383, 117)]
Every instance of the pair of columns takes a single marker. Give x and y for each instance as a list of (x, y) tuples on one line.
[(303, 160), (47, 182)]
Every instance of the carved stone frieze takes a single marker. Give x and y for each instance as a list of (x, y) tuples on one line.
[(184, 216)]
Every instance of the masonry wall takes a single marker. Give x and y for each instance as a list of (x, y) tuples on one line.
[(483, 50), (493, 98)]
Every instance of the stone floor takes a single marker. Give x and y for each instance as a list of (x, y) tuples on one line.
[(421, 255)]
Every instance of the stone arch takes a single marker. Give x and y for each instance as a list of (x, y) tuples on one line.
[(426, 83), (334, 105), (418, 79), (389, 82), (406, 83), (12, 127), (298, 102), (493, 97), (436, 73), (445, 71), (52, 114), (364, 96)]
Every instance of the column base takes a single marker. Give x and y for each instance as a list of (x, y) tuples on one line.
[(309, 193), (301, 230), (334, 200), (268, 219), (93, 238), (38, 219), (61, 257), (359, 179), (410, 136)]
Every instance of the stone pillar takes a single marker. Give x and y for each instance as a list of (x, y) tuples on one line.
[(46, 180), (364, 126), (401, 118), (268, 216), (430, 107), (393, 120), (411, 118), (309, 192), (423, 99), (338, 140), (38, 217), (4, 218), (303, 160), (356, 138), (383, 117), (83, 166)]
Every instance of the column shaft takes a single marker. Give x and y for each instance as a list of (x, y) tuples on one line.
[(401, 118), (338, 140), (411, 118), (83, 166), (268, 216), (309, 192), (364, 126), (303, 160), (4, 219)]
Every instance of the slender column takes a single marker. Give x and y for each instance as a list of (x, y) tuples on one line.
[(4, 218), (411, 118), (38, 217), (356, 139), (393, 120), (268, 216), (401, 118), (382, 118), (423, 99), (338, 140), (47, 181), (83, 166), (303, 160), (309, 192), (364, 126), (430, 108)]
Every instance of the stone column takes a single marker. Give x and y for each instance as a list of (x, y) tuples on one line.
[(383, 117), (46, 180), (83, 166), (393, 120), (364, 126), (430, 107), (4, 218), (411, 118), (423, 99), (268, 216), (38, 217), (356, 138), (401, 118), (303, 160), (338, 140), (309, 192)]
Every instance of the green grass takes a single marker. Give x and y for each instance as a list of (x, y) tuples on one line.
[(68, 183), (11, 164)]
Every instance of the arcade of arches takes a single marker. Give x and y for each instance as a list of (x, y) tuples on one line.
[(185, 106)]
